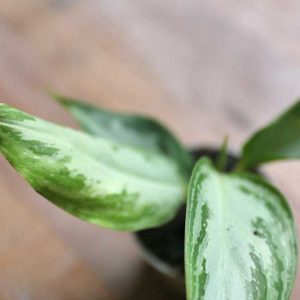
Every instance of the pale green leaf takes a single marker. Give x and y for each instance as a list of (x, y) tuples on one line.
[(97, 180), (278, 140), (240, 240), (129, 129)]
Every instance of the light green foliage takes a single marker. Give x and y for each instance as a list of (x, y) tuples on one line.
[(279, 140), (129, 129), (96, 179), (240, 239)]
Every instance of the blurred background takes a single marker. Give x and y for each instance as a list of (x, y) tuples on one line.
[(204, 68)]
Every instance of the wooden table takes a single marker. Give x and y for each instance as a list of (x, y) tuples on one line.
[(204, 68)]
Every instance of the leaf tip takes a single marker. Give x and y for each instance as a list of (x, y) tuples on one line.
[(63, 101), (3, 105)]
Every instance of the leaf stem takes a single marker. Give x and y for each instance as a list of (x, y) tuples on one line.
[(239, 167), (223, 157)]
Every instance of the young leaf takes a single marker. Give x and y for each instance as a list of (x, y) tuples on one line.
[(240, 241), (135, 130), (222, 158), (279, 140), (100, 181)]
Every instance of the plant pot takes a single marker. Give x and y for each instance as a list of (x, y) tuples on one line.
[(163, 247)]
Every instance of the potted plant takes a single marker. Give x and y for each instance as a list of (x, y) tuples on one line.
[(128, 172)]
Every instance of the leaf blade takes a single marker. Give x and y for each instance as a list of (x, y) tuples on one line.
[(130, 129), (99, 181), (276, 141), (240, 238)]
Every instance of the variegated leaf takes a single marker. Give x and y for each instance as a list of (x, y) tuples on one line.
[(240, 239), (129, 129), (95, 179)]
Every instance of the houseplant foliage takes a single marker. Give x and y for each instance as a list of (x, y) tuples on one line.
[(129, 172)]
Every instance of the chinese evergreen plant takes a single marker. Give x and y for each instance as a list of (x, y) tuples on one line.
[(128, 172)]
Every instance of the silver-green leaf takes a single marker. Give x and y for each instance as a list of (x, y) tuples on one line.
[(240, 240), (95, 179), (277, 141), (129, 129)]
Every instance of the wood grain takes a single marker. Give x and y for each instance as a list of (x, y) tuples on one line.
[(204, 68)]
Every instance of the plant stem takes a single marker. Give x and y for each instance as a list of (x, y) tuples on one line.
[(239, 168), (223, 157)]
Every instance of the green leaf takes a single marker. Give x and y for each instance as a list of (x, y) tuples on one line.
[(279, 140), (97, 180), (240, 240), (135, 130)]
